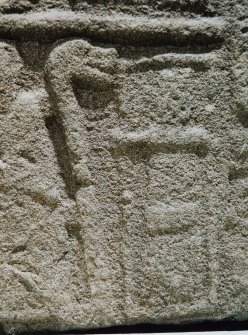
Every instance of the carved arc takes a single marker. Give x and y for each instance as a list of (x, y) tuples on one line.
[(72, 61)]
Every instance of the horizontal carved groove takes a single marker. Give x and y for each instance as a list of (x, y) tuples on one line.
[(121, 29), (140, 53), (56, 133), (198, 62), (142, 145), (144, 150)]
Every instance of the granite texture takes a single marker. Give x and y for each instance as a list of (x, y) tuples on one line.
[(123, 162)]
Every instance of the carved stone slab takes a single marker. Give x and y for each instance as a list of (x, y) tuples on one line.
[(123, 162)]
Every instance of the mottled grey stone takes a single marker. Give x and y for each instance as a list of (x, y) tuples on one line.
[(123, 162)]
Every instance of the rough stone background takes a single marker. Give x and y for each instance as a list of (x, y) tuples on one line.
[(123, 162)]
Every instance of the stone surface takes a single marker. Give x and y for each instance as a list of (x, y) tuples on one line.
[(123, 162)]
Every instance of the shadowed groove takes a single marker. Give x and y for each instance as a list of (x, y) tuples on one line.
[(56, 133), (141, 146)]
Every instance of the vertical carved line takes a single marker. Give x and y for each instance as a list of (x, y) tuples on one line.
[(57, 135)]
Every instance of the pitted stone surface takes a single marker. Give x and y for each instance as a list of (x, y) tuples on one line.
[(123, 162)]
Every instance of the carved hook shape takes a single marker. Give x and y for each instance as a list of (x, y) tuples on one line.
[(95, 67)]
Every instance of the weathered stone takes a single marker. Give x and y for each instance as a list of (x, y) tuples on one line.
[(123, 162)]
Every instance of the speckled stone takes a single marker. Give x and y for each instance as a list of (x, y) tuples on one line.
[(123, 162)]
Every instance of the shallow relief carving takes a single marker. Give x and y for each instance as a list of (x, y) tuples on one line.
[(80, 70), (132, 127)]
